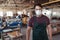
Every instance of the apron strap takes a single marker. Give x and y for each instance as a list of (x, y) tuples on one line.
[(35, 19)]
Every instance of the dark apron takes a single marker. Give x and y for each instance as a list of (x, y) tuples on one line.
[(39, 31)]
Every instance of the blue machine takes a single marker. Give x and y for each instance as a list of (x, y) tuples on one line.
[(14, 24), (0, 27), (0, 24)]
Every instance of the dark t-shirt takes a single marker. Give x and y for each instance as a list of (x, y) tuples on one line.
[(39, 20)]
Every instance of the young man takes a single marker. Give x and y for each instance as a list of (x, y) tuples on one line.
[(39, 24)]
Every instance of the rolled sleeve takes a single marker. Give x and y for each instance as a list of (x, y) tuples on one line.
[(30, 22), (47, 21)]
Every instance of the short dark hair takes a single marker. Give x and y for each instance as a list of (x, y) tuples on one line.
[(37, 5)]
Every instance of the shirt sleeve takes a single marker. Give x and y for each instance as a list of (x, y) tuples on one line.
[(47, 21), (30, 22)]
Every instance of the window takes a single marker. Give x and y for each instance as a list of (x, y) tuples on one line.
[(1, 13), (20, 12), (54, 14), (9, 13)]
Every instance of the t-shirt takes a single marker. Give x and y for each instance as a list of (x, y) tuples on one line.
[(39, 20)]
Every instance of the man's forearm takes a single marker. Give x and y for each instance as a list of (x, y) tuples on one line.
[(28, 34), (50, 35), (50, 32)]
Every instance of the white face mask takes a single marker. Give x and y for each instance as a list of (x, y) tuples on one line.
[(38, 12)]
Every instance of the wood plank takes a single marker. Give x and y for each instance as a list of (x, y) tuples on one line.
[(51, 2)]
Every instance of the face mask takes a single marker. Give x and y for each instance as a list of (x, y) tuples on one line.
[(38, 12)]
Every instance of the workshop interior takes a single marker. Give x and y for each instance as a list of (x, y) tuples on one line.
[(15, 15)]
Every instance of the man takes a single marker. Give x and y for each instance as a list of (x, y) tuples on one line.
[(39, 24)]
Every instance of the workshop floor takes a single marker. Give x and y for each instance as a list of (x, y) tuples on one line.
[(55, 37), (0, 39)]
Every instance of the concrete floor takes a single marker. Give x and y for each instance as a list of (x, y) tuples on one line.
[(55, 37), (23, 30)]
